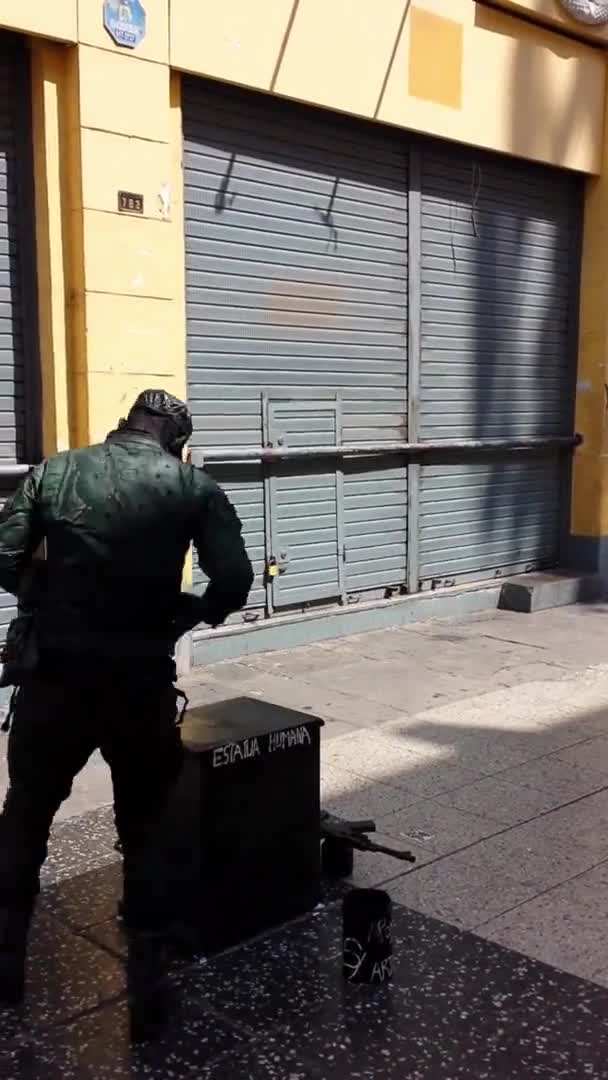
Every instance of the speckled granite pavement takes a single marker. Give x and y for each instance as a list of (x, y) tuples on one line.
[(277, 1008), (481, 743)]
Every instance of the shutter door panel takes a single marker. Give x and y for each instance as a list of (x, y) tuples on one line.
[(306, 515), (498, 304), (12, 407), (12, 264), (375, 515), (296, 282), (244, 486), (480, 518)]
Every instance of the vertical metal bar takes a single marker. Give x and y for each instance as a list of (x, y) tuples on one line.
[(341, 531), (413, 364), (566, 463), (266, 467)]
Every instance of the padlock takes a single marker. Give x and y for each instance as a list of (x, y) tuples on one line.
[(272, 569)]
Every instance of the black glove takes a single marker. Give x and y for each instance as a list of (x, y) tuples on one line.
[(188, 614), (191, 611)]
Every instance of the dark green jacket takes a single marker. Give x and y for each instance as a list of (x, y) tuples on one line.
[(118, 520)]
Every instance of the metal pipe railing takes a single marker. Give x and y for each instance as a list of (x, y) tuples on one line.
[(14, 472), (283, 453)]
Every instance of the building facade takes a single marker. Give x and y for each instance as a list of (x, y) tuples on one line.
[(367, 241)]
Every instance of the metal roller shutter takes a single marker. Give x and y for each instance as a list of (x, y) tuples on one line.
[(499, 292), (296, 275), (18, 425), (12, 256)]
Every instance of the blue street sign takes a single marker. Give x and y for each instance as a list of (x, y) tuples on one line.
[(125, 21)]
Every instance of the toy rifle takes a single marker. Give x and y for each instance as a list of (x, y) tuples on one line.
[(341, 838)]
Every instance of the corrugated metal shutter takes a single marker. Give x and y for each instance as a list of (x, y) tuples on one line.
[(305, 504), (12, 364), (499, 291), (296, 275), (16, 270)]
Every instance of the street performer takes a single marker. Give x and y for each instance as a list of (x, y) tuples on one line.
[(91, 657)]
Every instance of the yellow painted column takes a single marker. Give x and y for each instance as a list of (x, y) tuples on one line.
[(132, 293), (589, 516), (49, 73)]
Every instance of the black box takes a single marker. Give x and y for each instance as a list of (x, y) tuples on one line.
[(242, 830)]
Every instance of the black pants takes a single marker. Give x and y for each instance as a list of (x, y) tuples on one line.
[(57, 726)]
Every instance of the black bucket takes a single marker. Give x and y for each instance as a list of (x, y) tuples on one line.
[(367, 955)]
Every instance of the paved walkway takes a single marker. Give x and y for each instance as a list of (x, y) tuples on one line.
[(480, 743)]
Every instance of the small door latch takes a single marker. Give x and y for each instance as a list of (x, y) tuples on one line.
[(283, 560)]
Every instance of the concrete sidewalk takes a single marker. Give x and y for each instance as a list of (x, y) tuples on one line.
[(480, 743)]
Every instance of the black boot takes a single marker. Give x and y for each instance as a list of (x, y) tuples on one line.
[(147, 986), (14, 926)]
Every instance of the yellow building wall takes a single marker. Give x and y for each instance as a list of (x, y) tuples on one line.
[(132, 264), (111, 285), (112, 291), (589, 517), (451, 68), (57, 19), (48, 87)]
